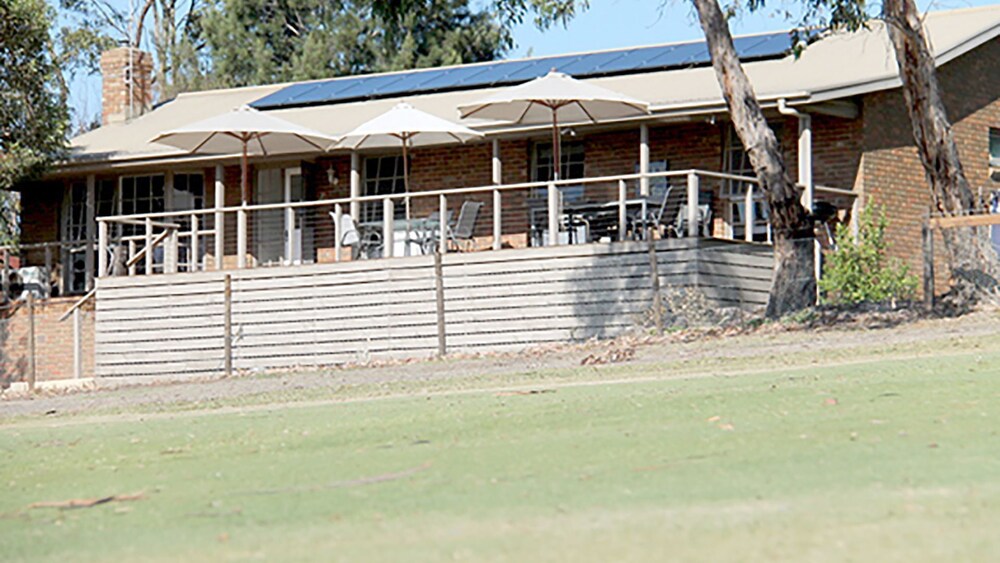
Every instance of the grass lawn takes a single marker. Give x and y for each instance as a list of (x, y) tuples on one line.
[(882, 459)]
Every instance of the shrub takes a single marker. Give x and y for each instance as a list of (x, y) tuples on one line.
[(859, 271)]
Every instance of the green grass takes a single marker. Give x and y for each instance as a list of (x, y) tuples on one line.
[(882, 459)]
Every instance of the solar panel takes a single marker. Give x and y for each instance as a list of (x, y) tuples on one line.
[(500, 73)]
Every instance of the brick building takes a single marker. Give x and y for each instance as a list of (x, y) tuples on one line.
[(837, 110)]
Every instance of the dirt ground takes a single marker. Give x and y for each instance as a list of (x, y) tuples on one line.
[(815, 342)]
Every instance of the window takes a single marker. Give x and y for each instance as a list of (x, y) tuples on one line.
[(735, 160), (572, 167), (994, 147), (383, 176), (188, 192)]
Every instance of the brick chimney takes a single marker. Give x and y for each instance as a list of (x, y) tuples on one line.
[(115, 90)]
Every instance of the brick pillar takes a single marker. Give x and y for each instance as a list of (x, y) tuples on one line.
[(115, 91)]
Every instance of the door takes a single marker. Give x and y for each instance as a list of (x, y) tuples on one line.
[(297, 229), (268, 225)]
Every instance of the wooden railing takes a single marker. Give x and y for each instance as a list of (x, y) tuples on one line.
[(163, 234)]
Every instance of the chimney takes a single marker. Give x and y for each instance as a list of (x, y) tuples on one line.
[(125, 93)]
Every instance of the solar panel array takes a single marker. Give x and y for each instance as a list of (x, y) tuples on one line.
[(506, 73)]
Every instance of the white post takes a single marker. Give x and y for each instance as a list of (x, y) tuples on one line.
[(355, 185), (338, 236), (149, 246), (220, 218), (644, 160), (131, 254), (692, 204), (241, 237), (170, 252), (805, 160), (497, 197), (195, 244), (289, 227), (622, 216), (102, 248), (388, 230), (48, 270), (77, 344), (553, 197), (443, 222), (497, 220), (749, 213), (88, 256)]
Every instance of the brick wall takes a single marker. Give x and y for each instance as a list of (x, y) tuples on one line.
[(53, 341), (893, 175)]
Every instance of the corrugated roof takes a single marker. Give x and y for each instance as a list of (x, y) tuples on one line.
[(836, 66)]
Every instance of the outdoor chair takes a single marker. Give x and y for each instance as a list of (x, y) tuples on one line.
[(350, 237), (680, 226), (461, 235), (429, 237)]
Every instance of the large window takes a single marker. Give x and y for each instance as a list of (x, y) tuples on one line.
[(571, 155), (383, 176)]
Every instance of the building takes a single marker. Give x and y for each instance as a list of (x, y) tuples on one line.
[(837, 109)]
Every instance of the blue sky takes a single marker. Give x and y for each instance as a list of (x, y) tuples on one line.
[(607, 24)]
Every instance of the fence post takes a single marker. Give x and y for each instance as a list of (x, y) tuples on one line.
[(241, 238), (227, 326), (131, 254), (692, 204), (497, 220), (31, 341), (102, 248), (149, 246), (193, 254), (654, 272), (77, 344), (622, 211), (439, 298), (553, 197), (338, 236), (928, 235), (388, 234)]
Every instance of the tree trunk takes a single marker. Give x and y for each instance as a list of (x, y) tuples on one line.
[(973, 267), (793, 286)]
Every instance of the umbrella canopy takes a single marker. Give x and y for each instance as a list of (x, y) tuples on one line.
[(245, 130), (408, 126), (556, 97)]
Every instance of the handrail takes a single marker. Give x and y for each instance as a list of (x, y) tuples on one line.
[(90, 294), (145, 250), (429, 193)]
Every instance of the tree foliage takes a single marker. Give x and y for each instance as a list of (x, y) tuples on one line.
[(33, 116)]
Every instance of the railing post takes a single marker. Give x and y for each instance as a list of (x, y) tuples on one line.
[(355, 185), (338, 236), (749, 214), (553, 197), (388, 234), (48, 270), (91, 216), (77, 344), (644, 160), (170, 252), (241, 238), (102, 248), (195, 245), (131, 254), (289, 227), (149, 246), (220, 218), (497, 220), (442, 224), (622, 212), (692, 204)]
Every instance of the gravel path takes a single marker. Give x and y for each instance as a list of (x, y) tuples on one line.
[(869, 335)]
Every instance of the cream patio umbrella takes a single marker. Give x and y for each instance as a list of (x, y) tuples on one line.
[(406, 126), (556, 97), (245, 130)]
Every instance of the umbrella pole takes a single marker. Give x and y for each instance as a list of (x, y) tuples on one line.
[(406, 190), (556, 142)]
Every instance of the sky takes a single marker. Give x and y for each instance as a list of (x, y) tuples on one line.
[(607, 24)]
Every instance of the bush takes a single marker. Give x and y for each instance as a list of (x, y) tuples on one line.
[(859, 271)]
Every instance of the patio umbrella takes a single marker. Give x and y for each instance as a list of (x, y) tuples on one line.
[(555, 96), (244, 130), (407, 126)]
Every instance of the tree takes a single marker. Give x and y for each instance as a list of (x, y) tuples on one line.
[(973, 267), (33, 117)]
